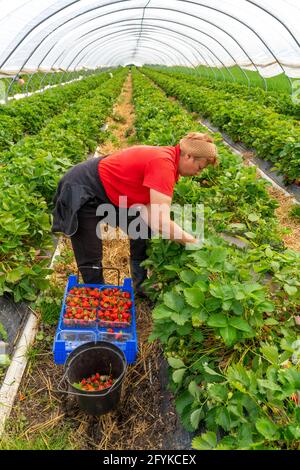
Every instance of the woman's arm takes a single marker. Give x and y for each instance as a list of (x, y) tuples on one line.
[(158, 215)]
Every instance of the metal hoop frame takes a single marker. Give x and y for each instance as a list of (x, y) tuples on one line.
[(141, 25)]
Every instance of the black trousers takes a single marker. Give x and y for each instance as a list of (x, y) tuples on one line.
[(80, 192), (87, 247)]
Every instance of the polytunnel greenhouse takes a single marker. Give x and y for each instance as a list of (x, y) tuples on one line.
[(150, 225)]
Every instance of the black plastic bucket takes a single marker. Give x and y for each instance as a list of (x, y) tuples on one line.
[(88, 359)]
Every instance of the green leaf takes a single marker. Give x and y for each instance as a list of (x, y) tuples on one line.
[(237, 227), (229, 335), (206, 441), (194, 296), (250, 287), (217, 392), (223, 418), (290, 290), (250, 235), (217, 320), (212, 304), (161, 312), (197, 336), (270, 353), (245, 433), (239, 293), (183, 401), (271, 322), (290, 378), (201, 258), (270, 385), (210, 371), (240, 324), (198, 318), (202, 285), (186, 419), (267, 429), (194, 390), (253, 217), (175, 363), (180, 318), (178, 375), (224, 292), (189, 277), (266, 306), (238, 373), (227, 305), (237, 307), (269, 252), (174, 301), (195, 418), (217, 255), (15, 275), (77, 385)]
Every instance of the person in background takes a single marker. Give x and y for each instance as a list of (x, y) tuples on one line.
[(19, 80)]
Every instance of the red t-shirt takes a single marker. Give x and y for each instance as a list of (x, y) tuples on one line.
[(132, 172)]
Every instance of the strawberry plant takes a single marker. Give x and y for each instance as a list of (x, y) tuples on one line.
[(272, 135), (226, 316), (281, 102), (29, 115)]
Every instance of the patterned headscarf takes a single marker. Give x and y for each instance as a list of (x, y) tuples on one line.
[(199, 146)]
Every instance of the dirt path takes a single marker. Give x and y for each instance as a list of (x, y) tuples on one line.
[(44, 419)]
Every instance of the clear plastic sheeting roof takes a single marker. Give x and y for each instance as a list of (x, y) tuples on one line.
[(261, 35)]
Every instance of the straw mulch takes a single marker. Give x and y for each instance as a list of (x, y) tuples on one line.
[(292, 239)]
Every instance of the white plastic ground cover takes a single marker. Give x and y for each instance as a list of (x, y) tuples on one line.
[(14, 373), (261, 35)]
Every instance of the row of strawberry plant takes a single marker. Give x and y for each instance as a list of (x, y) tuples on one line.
[(28, 178), (273, 136), (225, 315), (29, 115), (281, 103)]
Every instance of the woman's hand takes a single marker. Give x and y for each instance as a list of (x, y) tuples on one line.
[(158, 213)]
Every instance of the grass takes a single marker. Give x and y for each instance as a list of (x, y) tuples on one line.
[(56, 439), (118, 118), (278, 83), (295, 212), (49, 305), (3, 333)]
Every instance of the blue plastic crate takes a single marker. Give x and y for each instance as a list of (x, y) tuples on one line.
[(68, 338)]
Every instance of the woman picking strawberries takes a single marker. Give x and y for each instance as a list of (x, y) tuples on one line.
[(140, 177)]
